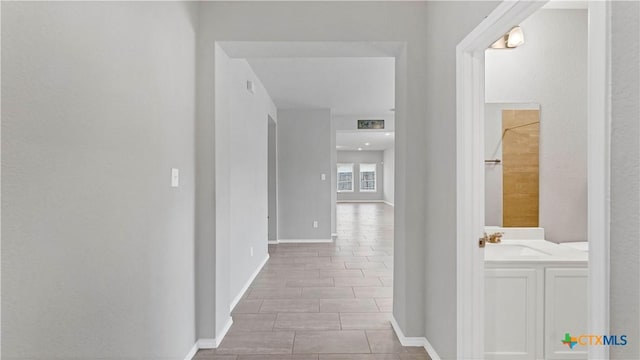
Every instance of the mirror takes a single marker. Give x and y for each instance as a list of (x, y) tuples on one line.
[(512, 159)]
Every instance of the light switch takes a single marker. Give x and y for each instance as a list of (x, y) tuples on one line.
[(251, 87), (175, 177), (323, 177)]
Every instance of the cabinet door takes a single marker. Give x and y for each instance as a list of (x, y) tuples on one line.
[(511, 306), (565, 311)]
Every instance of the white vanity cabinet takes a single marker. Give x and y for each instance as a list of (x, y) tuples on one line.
[(565, 311), (529, 306), (513, 304)]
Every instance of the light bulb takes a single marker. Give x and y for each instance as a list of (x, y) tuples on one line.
[(515, 38)]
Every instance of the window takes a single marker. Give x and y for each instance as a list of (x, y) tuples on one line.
[(345, 177), (367, 177)]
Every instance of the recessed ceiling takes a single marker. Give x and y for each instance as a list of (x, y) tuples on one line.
[(344, 85), (352, 140)]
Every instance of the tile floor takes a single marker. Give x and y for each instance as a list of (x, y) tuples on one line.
[(323, 301)]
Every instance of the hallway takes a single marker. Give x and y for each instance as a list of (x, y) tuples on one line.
[(323, 301)]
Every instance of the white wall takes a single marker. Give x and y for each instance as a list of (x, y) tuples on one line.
[(553, 74), (389, 175), (97, 107), (625, 177), (448, 23), (241, 192), (304, 154), (273, 180), (356, 158), (334, 180), (248, 140), (209, 323)]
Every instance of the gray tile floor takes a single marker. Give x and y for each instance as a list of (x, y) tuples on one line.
[(323, 301)]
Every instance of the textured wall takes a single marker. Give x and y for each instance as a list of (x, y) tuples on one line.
[(448, 23), (389, 175), (552, 74), (97, 248), (249, 173), (625, 177), (304, 153)]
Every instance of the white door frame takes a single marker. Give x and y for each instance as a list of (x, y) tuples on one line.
[(470, 172)]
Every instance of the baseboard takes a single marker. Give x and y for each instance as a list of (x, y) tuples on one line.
[(273, 242), (248, 283), (203, 344), (388, 203), (360, 201), (404, 340), (303, 241), (414, 341), (192, 352), (430, 350), (334, 235), (223, 333), (207, 344)]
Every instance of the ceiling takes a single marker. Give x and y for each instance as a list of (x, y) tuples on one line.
[(352, 140), (347, 85), (566, 4)]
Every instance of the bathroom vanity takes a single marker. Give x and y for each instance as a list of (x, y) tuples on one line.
[(535, 293)]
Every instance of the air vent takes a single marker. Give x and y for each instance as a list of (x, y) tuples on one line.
[(370, 124)]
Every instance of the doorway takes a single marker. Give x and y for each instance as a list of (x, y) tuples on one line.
[(471, 181), (303, 169), (272, 182)]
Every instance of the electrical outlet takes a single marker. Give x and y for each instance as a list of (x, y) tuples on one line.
[(251, 250), (323, 177), (315, 224)]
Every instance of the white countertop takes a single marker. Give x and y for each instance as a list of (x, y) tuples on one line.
[(532, 251), (579, 245)]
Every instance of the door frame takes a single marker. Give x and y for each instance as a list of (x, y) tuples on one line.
[(470, 101), (272, 204)]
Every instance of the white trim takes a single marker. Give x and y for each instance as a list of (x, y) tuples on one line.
[(273, 242), (204, 344), (388, 203), (598, 171), (404, 340), (207, 344), (414, 341), (304, 241), (470, 171), (431, 350), (248, 283), (334, 235), (192, 352), (360, 201), (224, 331)]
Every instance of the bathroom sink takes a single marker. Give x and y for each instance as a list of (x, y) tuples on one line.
[(531, 251), (516, 250)]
